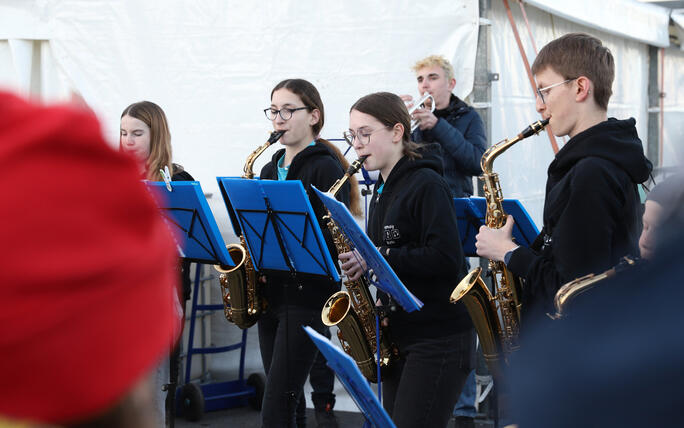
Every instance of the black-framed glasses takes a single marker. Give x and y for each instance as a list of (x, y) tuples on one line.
[(362, 135), (545, 91), (285, 113)]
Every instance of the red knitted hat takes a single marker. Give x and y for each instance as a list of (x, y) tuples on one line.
[(87, 279)]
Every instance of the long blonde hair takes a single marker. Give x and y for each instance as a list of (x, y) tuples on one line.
[(160, 137)]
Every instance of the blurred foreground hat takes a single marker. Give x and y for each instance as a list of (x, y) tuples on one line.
[(87, 278)]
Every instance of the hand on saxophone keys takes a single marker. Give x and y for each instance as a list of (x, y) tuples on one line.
[(493, 244), (352, 264)]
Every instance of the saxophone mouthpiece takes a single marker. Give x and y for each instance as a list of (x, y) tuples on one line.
[(275, 136), (356, 165), (534, 128)]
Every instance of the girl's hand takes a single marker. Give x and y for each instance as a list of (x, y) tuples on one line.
[(352, 264)]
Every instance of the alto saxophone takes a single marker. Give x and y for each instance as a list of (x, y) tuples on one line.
[(243, 302), (496, 315), (352, 311), (574, 288)]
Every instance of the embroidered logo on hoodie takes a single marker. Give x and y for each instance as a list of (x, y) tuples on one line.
[(391, 234)]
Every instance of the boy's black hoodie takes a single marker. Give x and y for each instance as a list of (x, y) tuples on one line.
[(414, 218), (315, 165), (591, 212)]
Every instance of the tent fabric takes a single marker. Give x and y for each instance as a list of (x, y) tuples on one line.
[(625, 18), (211, 66), (673, 106)]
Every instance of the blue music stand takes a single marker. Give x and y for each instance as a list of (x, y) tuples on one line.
[(386, 279), (470, 213), (187, 212), (279, 227), (349, 374)]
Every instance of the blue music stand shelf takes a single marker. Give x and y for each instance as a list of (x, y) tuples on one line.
[(198, 238), (386, 279), (349, 374), (470, 213), (279, 227)]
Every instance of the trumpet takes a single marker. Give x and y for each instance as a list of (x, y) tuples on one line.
[(420, 104)]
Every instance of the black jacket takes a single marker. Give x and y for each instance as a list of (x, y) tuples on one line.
[(461, 134), (318, 166), (591, 212), (414, 217)]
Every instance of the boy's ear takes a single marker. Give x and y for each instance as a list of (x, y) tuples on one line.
[(584, 86)]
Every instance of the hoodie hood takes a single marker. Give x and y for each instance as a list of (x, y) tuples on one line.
[(614, 140), (301, 159), (430, 157)]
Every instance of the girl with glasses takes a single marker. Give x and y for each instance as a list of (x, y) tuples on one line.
[(286, 351), (413, 223)]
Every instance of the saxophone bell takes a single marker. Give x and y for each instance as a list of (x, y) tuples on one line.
[(478, 300)]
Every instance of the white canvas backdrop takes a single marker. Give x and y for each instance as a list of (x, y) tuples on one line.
[(673, 105), (211, 65)]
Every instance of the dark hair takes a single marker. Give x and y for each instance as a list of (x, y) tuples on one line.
[(389, 109), (578, 54), (160, 137), (309, 95)]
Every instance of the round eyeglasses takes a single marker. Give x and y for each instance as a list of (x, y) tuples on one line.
[(285, 113), (362, 135)]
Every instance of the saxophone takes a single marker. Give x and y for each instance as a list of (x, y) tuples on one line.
[(496, 315), (242, 298), (353, 311), (574, 288)]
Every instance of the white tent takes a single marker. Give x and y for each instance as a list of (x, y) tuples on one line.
[(211, 66)]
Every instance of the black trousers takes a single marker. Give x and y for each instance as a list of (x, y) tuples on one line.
[(424, 386), (287, 353), (322, 380)]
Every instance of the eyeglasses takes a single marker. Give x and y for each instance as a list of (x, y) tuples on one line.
[(363, 136), (545, 91), (285, 113)]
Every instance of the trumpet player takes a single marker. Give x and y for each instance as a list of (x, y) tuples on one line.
[(591, 209), (454, 125), (413, 222)]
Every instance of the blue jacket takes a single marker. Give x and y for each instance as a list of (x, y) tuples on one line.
[(461, 134)]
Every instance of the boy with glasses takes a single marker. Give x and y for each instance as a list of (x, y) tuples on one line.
[(592, 208)]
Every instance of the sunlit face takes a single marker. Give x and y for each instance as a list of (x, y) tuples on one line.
[(383, 148), (558, 102), (134, 137), (298, 127), (433, 80), (652, 219)]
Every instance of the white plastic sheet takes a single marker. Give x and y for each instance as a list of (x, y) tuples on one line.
[(626, 18), (673, 105), (211, 65)]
